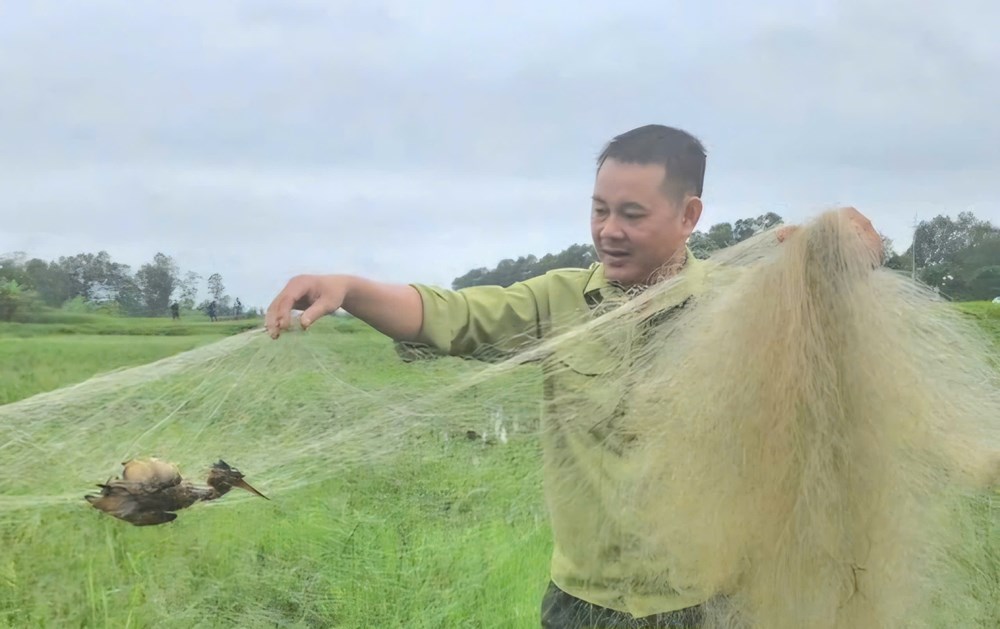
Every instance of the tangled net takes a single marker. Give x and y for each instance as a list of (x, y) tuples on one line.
[(811, 442)]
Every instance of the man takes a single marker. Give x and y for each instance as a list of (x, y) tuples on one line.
[(646, 203)]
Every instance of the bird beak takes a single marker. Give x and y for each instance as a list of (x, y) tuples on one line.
[(245, 485)]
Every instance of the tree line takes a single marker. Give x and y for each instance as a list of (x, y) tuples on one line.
[(960, 257), (96, 283)]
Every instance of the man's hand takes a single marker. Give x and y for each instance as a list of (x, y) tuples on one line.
[(866, 231), (317, 295), (395, 310)]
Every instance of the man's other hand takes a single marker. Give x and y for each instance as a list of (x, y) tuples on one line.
[(866, 231)]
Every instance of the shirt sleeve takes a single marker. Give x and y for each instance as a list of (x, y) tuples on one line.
[(481, 321)]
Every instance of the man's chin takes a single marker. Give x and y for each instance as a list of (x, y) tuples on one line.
[(619, 276)]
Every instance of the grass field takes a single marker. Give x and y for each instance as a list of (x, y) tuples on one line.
[(448, 535), (423, 531), (67, 348)]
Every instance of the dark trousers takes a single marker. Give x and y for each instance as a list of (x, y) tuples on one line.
[(564, 611)]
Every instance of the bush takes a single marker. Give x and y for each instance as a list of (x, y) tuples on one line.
[(77, 304), (17, 303)]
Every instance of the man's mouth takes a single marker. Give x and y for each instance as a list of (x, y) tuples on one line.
[(615, 255)]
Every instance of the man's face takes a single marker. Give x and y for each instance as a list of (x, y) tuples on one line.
[(637, 228)]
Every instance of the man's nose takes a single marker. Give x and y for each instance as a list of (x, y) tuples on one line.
[(612, 228)]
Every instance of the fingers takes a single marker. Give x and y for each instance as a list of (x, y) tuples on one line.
[(277, 317), (863, 227), (312, 313), (315, 295), (785, 232), (279, 313), (868, 234)]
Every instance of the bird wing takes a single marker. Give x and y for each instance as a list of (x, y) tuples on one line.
[(133, 502), (148, 518)]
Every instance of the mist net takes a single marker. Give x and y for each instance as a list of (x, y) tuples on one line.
[(789, 435)]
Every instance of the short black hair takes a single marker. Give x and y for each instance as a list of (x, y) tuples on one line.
[(679, 152)]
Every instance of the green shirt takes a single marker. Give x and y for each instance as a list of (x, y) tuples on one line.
[(585, 455)]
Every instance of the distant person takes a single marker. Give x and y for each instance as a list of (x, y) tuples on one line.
[(646, 203), (212, 311), (238, 308), (175, 310)]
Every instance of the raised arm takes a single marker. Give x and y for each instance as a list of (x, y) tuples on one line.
[(393, 309)]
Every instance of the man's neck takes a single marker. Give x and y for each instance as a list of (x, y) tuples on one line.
[(666, 272)]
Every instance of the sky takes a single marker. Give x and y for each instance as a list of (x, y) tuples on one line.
[(411, 142)]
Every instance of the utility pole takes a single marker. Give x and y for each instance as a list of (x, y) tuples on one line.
[(913, 251)]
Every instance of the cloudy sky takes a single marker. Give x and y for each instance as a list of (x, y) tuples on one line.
[(412, 141)]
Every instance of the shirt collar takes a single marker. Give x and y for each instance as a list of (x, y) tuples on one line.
[(598, 287)]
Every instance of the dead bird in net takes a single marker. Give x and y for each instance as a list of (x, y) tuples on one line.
[(150, 490)]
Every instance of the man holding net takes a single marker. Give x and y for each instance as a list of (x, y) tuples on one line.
[(646, 203)]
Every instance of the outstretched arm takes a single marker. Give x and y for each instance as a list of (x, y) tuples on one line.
[(393, 309)]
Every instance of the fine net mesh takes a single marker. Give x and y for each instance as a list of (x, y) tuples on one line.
[(784, 432)]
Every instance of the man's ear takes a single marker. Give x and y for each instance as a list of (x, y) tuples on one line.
[(692, 213)]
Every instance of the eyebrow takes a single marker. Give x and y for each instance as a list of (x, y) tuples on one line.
[(631, 205)]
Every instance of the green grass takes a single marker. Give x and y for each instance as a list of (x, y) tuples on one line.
[(420, 531), (56, 322), (987, 314), (447, 534), (38, 364), (68, 348), (417, 544)]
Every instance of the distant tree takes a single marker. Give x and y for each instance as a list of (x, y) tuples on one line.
[(17, 302), (83, 271), (576, 256), (701, 245), (941, 239), (984, 283), (475, 277), (888, 251), (10, 299), (130, 298), (157, 282), (50, 280), (747, 227), (12, 268), (117, 279), (509, 271), (955, 256), (721, 235), (215, 286), (983, 252), (900, 261), (94, 277), (189, 290)]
